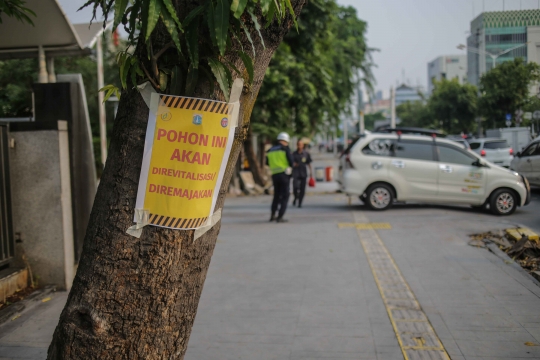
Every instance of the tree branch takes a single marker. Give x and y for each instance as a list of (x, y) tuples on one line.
[(149, 77)]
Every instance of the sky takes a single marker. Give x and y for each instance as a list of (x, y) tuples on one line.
[(407, 33)]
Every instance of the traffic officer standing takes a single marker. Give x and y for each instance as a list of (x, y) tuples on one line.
[(280, 161)]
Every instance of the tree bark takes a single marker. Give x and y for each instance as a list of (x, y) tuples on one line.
[(254, 166), (137, 298)]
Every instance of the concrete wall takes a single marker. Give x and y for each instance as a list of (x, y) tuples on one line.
[(41, 193)]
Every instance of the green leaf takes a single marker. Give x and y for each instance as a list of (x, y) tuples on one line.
[(193, 14), (133, 17), (109, 90), (248, 63), (154, 9), (257, 26), (191, 81), (172, 29), (119, 9), (291, 11), (192, 41), (248, 35), (223, 76), (209, 76), (163, 79), (221, 23), (172, 11), (211, 26), (176, 84), (231, 65), (237, 7), (265, 6), (124, 69)]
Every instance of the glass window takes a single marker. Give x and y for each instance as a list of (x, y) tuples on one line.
[(414, 150), (380, 147), (496, 144), (530, 150), (475, 146), (455, 156)]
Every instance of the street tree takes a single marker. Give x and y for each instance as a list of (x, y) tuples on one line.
[(313, 74), (505, 89), (136, 298), (415, 114), (453, 106)]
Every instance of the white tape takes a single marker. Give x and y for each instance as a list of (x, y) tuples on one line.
[(146, 90), (142, 218), (212, 220)]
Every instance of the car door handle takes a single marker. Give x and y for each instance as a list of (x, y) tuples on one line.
[(398, 163), (446, 168)]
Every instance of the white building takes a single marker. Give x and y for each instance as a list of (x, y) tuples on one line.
[(447, 67)]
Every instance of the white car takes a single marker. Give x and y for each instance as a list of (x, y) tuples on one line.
[(381, 168), (527, 162), (494, 150)]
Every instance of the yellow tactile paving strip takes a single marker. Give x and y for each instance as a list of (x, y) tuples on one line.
[(414, 333), (365, 226)]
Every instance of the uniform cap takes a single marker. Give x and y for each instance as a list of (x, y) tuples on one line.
[(284, 136)]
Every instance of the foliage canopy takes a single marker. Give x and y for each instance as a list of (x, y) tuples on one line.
[(314, 72)]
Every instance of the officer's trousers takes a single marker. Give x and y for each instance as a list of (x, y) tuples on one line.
[(281, 193)]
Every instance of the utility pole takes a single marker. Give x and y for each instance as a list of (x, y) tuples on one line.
[(392, 108)]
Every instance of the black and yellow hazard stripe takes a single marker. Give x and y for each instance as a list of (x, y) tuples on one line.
[(176, 223), (187, 103)]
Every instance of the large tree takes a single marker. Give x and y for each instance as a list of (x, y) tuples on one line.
[(453, 106), (312, 75), (505, 89), (136, 298)]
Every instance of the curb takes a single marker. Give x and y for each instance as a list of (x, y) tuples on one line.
[(14, 311), (508, 260)]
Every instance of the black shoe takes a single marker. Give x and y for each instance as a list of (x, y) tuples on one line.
[(272, 218), (294, 202), (282, 220), (299, 205)]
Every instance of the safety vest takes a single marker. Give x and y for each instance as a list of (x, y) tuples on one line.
[(277, 160)]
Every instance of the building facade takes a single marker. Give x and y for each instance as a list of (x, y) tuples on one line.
[(447, 67), (498, 31), (406, 93)]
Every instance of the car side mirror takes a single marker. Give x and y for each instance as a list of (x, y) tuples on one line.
[(518, 154), (478, 163)]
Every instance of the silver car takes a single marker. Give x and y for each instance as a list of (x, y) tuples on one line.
[(496, 151), (527, 162)]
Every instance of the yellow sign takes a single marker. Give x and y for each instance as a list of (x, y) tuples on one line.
[(188, 142)]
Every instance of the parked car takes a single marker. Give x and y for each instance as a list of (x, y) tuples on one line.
[(461, 141), (527, 162), (381, 168), (494, 150)]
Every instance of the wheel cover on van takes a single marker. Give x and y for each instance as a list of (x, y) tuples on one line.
[(380, 198), (504, 202)]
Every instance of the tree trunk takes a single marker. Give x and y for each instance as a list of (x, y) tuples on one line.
[(137, 298), (258, 176)]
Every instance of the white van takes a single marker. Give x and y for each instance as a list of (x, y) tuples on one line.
[(383, 167)]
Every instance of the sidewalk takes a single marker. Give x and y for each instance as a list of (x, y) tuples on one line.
[(307, 290)]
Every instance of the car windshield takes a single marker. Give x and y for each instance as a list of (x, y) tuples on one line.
[(496, 145)]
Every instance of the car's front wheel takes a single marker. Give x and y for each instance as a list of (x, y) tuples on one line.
[(503, 202), (379, 197)]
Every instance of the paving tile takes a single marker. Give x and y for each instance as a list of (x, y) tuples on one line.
[(510, 349)]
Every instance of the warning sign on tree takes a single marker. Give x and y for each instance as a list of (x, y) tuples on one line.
[(187, 146)]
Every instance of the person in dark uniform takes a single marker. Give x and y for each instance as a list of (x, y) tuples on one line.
[(301, 162), (279, 159)]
